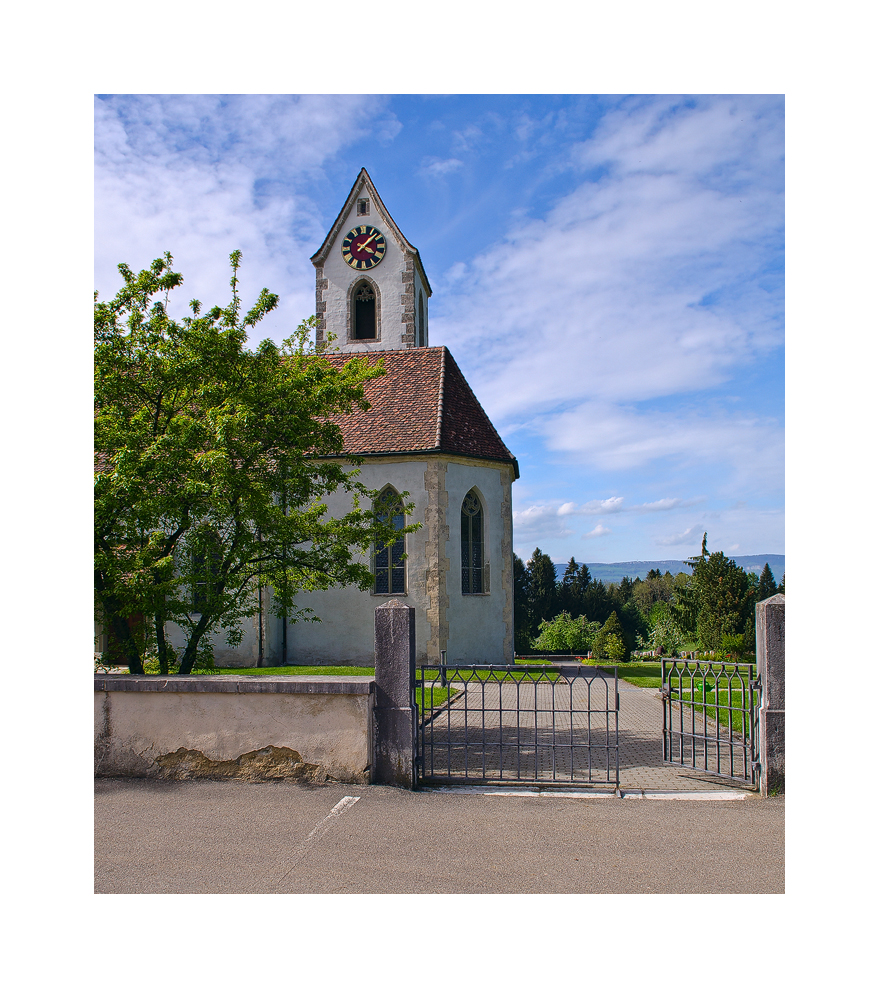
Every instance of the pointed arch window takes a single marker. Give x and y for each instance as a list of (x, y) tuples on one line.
[(389, 566), (205, 554), (472, 562), (364, 312)]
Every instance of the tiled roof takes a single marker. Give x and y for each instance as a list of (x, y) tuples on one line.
[(422, 403)]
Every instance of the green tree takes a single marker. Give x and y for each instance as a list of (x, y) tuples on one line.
[(212, 463), (633, 624), (653, 588), (766, 585), (522, 614), (569, 598), (597, 602), (718, 601), (543, 594), (609, 641), (623, 591), (663, 635), (564, 633)]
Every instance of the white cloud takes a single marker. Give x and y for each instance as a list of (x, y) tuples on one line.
[(201, 176), (600, 530), (540, 521), (610, 437), (640, 284), (679, 539), (663, 505), (440, 166), (609, 505)]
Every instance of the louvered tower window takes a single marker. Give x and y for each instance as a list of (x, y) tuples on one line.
[(471, 544), (364, 312), (389, 566)]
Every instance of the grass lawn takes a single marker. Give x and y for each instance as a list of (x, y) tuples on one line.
[(647, 674), (715, 706), (638, 674), (436, 697)]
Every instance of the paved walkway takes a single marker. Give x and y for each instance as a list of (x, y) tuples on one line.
[(563, 731)]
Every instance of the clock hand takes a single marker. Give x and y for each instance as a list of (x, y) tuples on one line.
[(367, 241)]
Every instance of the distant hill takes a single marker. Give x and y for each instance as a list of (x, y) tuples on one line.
[(614, 572)]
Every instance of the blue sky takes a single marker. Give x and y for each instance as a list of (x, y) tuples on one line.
[(607, 271)]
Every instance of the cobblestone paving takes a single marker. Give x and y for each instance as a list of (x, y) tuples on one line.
[(535, 731)]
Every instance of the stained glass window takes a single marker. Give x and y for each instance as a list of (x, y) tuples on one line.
[(388, 563), (471, 544)]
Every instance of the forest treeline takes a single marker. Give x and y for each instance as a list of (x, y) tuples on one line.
[(710, 608)]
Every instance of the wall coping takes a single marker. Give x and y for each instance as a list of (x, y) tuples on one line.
[(232, 684)]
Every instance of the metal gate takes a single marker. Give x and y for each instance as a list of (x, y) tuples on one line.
[(506, 724), (710, 717)]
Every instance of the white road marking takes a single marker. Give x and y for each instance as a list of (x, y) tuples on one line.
[(303, 846)]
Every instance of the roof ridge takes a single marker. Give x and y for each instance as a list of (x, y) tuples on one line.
[(440, 396), (466, 383)]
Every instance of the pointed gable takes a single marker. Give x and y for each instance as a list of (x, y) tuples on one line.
[(363, 183)]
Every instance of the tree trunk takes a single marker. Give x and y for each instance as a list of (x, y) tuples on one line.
[(188, 659), (161, 645)]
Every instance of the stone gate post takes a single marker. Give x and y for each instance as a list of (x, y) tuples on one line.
[(770, 640), (395, 714)]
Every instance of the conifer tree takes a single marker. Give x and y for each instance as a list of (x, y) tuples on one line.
[(766, 585), (522, 613), (543, 594)]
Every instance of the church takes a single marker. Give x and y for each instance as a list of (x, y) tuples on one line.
[(426, 440)]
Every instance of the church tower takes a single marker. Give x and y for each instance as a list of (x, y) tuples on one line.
[(371, 291)]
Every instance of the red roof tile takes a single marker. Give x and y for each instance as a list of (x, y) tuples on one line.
[(422, 403)]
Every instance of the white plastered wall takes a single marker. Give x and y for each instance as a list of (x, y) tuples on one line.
[(476, 621), (344, 636)]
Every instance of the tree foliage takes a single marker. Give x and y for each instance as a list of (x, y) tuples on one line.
[(566, 633), (609, 641), (713, 605), (719, 601), (212, 465), (766, 585)]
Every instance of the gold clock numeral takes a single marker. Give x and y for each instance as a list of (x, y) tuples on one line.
[(363, 247)]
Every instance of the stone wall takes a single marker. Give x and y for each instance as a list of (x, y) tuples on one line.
[(234, 727), (770, 638)]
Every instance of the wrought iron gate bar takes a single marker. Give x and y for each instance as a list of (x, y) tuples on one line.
[(722, 735), (547, 723)]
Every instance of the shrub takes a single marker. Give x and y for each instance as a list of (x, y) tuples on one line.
[(566, 633), (733, 644), (606, 641)]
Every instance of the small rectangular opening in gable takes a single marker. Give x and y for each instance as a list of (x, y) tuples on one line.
[(363, 207)]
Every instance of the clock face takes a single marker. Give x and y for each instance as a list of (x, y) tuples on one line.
[(363, 247)]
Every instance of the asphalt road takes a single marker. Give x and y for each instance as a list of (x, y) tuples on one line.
[(227, 837)]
